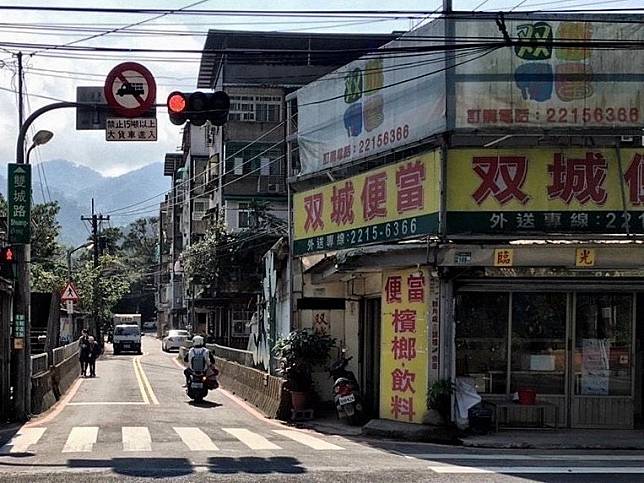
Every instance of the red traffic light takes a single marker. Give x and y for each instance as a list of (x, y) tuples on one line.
[(177, 102), (7, 255)]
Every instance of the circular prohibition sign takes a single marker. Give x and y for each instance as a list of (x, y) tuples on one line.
[(130, 89)]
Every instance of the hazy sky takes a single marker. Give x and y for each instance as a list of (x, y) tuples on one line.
[(89, 147)]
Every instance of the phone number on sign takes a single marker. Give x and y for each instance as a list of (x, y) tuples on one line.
[(385, 138), (379, 232), (589, 114)]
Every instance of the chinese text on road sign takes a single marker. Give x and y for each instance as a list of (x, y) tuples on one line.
[(124, 129), (19, 203)]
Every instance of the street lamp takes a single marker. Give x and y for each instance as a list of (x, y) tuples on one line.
[(40, 138), (69, 257)]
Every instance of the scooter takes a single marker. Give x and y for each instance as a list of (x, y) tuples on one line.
[(346, 390), (197, 388)]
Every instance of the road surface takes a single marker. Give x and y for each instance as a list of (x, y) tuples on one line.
[(133, 421)]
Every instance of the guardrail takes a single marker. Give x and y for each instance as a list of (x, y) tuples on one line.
[(39, 364), (64, 352)]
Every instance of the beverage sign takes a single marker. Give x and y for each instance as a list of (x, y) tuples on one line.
[(545, 190), (390, 203), (541, 82), (19, 203), (404, 358)]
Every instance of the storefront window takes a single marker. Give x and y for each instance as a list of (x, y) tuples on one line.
[(603, 339), (538, 342), (481, 339)]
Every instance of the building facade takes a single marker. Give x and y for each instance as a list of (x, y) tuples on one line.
[(479, 215)]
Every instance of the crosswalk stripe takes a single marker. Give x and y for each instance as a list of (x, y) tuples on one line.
[(307, 439), (22, 440), (136, 438), (196, 439), (81, 439), (250, 439)]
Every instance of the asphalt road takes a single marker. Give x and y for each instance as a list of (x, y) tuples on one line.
[(133, 421)]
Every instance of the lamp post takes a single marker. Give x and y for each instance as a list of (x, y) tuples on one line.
[(69, 257), (22, 382)]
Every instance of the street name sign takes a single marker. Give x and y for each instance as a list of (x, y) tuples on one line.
[(130, 89), (127, 129), (19, 196)]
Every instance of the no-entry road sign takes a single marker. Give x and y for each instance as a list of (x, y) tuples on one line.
[(130, 89)]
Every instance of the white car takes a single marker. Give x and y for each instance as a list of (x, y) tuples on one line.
[(174, 339)]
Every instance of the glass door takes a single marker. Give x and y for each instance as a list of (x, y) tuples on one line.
[(602, 360)]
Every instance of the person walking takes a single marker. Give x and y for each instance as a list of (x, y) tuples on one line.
[(83, 352), (94, 353)]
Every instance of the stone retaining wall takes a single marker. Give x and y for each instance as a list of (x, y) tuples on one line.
[(50, 386)]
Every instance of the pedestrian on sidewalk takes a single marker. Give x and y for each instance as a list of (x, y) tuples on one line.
[(83, 352), (94, 353)]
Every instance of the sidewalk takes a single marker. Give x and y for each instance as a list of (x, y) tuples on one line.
[(562, 439)]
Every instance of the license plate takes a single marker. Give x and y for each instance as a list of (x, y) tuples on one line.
[(346, 399), (197, 385), (126, 345)]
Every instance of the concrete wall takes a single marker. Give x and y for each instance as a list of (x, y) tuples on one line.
[(49, 387)]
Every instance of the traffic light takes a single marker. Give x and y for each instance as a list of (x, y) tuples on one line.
[(198, 107), (7, 255)]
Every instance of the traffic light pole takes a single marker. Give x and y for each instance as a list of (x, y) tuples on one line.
[(22, 293)]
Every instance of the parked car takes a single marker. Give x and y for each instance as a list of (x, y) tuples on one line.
[(174, 339), (149, 325)]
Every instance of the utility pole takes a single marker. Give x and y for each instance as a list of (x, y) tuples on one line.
[(95, 220)]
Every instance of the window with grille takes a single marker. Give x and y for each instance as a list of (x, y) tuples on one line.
[(255, 108)]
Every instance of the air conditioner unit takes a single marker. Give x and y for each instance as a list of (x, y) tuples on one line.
[(273, 187)]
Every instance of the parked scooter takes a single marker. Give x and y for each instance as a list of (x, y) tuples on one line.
[(346, 391)]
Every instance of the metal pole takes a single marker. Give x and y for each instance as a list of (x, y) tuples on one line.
[(22, 300), (21, 109)]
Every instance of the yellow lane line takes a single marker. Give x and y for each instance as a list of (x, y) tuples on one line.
[(140, 381), (146, 381)]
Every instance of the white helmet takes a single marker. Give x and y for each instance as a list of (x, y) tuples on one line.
[(197, 341)]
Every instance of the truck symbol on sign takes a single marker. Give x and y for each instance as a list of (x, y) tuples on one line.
[(132, 88)]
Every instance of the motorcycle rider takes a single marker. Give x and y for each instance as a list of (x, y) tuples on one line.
[(198, 354)]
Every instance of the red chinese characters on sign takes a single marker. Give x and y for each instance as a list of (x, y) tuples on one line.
[(501, 177), (393, 289), (402, 379), (342, 201), (374, 196), (582, 179), (401, 406), (634, 177), (409, 180), (404, 321), (313, 205), (403, 348), (416, 287)]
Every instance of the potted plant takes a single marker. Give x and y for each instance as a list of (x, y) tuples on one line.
[(297, 353), (440, 397)]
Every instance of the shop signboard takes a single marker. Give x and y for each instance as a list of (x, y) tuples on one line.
[(404, 354), (536, 191), (378, 103), (394, 202), (540, 82)]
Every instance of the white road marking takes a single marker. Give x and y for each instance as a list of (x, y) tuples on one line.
[(525, 457), (455, 469), (250, 439), (22, 440), (307, 440), (136, 438), (108, 403), (81, 439), (196, 439)]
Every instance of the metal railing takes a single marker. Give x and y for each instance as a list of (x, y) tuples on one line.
[(39, 364), (65, 352)]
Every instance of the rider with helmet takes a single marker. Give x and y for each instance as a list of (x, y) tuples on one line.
[(197, 358)]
